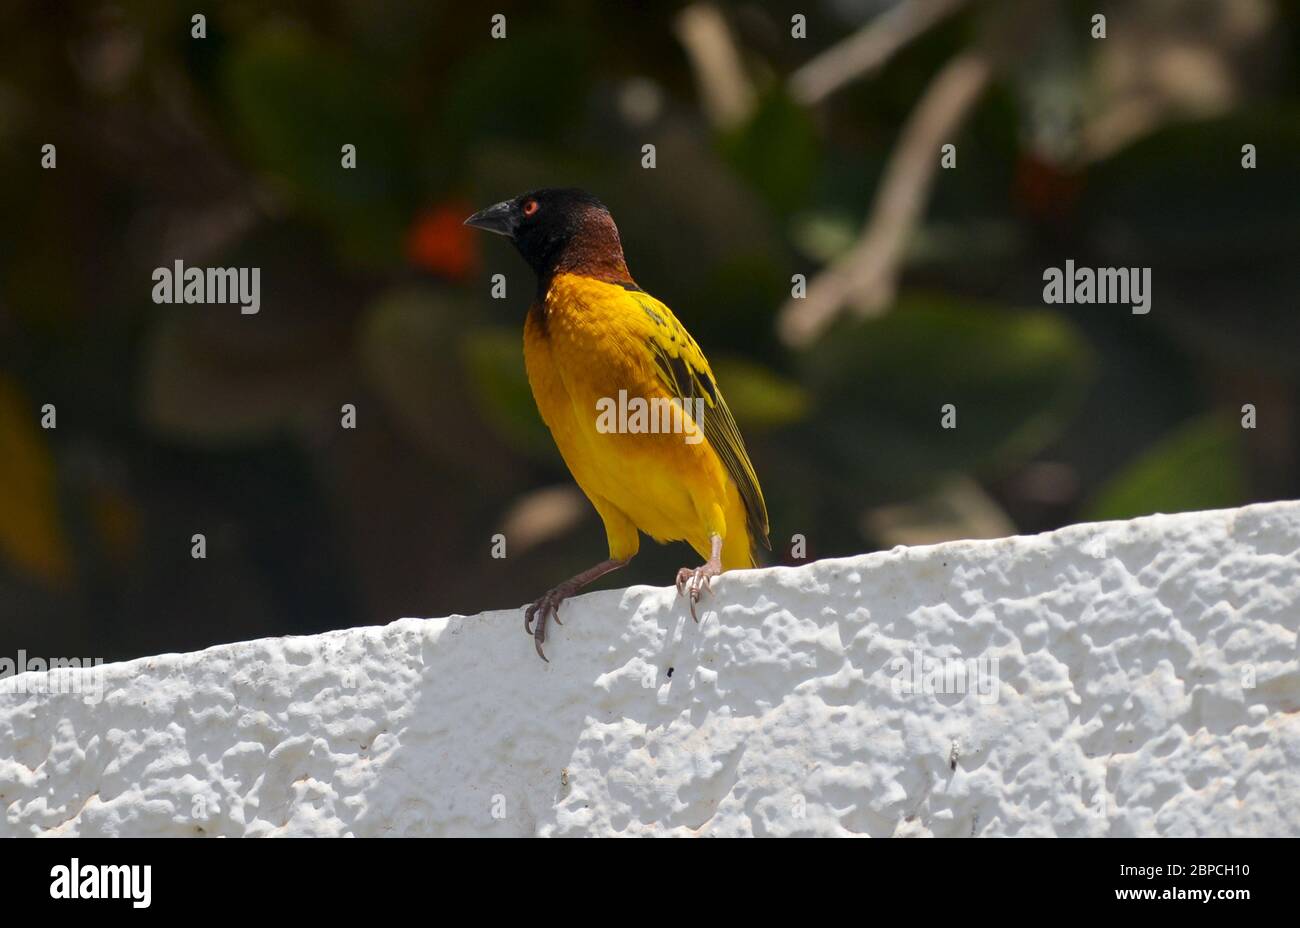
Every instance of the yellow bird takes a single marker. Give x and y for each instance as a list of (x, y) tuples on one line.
[(629, 398)]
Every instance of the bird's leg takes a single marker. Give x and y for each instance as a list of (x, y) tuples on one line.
[(694, 581), (548, 606)]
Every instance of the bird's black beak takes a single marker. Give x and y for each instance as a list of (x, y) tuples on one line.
[(501, 219)]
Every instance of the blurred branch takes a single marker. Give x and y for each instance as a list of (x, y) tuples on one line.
[(1166, 71), (866, 276), (958, 508), (867, 49), (726, 94), (543, 514)]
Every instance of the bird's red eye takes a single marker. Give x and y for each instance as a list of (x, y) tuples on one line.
[(530, 207)]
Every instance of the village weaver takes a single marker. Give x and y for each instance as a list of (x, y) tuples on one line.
[(592, 335)]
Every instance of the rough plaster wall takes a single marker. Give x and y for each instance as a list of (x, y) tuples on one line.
[(1123, 706)]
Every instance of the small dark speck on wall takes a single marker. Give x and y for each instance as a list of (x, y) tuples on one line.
[(670, 672)]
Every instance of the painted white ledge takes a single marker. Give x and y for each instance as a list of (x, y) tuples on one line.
[(1125, 656)]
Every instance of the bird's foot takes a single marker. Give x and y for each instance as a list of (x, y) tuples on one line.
[(547, 607), (693, 582)]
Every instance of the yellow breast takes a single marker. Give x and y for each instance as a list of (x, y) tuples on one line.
[(586, 351)]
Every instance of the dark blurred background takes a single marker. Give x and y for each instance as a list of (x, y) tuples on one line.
[(775, 156)]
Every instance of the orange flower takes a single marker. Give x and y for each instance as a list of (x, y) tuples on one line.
[(439, 242)]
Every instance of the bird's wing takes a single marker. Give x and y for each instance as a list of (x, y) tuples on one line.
[(684, 372)]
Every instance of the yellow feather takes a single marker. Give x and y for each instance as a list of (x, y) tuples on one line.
[(584, 342)]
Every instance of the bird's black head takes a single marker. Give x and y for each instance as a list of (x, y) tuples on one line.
[(559, 229)]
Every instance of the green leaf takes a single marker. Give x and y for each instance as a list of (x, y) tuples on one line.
[(526, 90), (295, 103), (1014, 378), (776, 151), (494, 362), (1199, 466), (823, 235), (759, 398)]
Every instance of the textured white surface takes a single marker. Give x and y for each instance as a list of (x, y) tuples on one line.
[(1124, 706)]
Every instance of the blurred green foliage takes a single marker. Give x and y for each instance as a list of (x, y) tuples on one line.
[(1198, 466), (291, 100), (1013, 380), (227, 151)]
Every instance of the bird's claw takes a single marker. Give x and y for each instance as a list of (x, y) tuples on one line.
[(694, 582), (547, 607)]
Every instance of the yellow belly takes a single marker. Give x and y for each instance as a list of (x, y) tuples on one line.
[(581, 349)]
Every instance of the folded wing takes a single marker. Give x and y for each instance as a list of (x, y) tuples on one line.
[(684, 372)]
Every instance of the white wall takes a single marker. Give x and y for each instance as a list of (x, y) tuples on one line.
[(1146, 684)]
